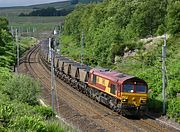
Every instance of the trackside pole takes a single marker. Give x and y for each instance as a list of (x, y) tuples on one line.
[(52, 74), (49, 54), (17, 44), (56, 34), (164, 75), (82, 48), (12, 32)]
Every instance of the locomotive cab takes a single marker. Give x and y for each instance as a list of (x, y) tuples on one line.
[(134, 96)]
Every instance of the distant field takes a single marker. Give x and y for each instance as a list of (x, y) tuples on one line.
[(34, 26), (15, 11), (34, 20), (39, 27), (7, 12)]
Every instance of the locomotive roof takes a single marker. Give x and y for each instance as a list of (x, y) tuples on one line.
[(113, 75)]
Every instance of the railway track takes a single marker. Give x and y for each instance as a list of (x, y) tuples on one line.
[(78, 109)]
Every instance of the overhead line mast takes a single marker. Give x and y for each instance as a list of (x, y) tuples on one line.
[(17, 44), (51, 43), (82, 48), (52, 46), (164, 75), (164, 67)]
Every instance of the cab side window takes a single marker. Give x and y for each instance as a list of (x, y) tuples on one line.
[(113, 89), (94, 79)]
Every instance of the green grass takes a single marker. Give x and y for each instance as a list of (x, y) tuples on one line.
[(34, 20), (8, 12), (38, 23), (26, 25), (27, 42)]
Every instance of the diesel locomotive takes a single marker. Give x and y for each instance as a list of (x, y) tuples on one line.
[(121, 92)]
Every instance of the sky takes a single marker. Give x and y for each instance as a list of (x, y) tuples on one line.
[(9, 3)]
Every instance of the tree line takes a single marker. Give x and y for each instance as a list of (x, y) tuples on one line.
[(85, 1), (50, 11)]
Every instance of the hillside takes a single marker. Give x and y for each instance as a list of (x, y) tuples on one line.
[(28, 23), (113, 32), (66, 4), (15, 11)]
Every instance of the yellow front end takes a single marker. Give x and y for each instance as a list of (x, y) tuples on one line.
[(134, 99), (132, 103)]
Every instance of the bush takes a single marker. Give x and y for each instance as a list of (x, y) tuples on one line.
[(28, 123), (4, 75), (45, 112), (173, 110), (54, 127), (6, 111), (155, 104), (2, 129), (22, 88)]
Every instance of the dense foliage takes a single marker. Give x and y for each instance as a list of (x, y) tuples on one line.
[(8, 45), (22, 88), (112, 23), (19, 110), (6, 48), (114, 29)]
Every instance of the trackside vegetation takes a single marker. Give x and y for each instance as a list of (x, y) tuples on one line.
[(19, 106), (127, 36)]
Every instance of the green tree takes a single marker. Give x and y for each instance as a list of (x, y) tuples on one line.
[(173, 16), (6, 49), (147, 18), (3, 23)]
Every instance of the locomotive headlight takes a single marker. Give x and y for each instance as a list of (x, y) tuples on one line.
[(143, 101), (125, 99)]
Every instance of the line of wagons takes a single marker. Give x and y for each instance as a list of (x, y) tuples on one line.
[(123, 93)]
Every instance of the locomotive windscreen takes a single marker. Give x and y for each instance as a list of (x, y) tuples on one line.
[(134, 85), (134, 88)]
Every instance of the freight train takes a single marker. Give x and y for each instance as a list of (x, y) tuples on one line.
[(123, 93)]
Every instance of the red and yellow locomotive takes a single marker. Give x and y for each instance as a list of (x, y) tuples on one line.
[(121, 92)]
